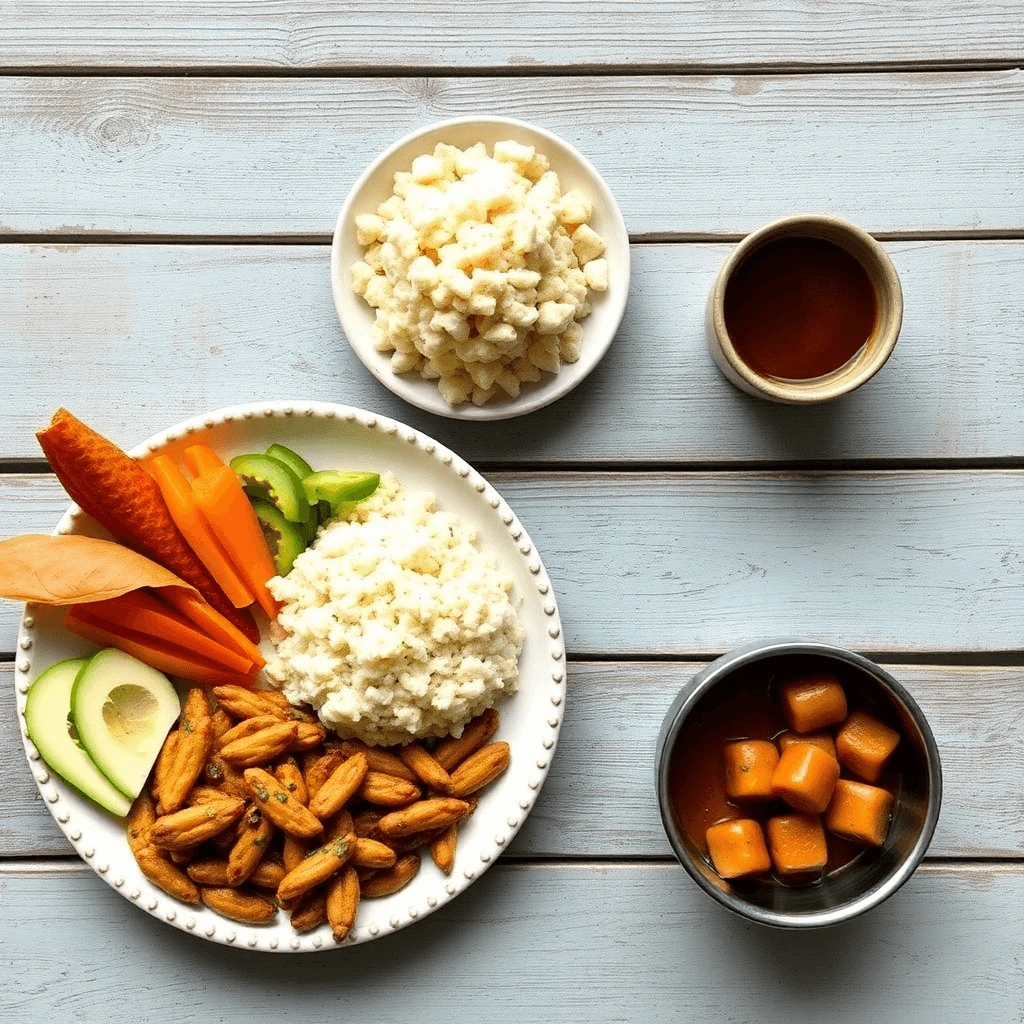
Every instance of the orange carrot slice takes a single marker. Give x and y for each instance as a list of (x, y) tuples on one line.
[(118, 493), (211, 622), (172, 660), (219, 496), (201, 457), (139, 612), (178, 495)]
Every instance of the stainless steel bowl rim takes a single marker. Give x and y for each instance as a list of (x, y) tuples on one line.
[(685, 703)]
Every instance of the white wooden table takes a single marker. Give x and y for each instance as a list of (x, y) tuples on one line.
[(169, 178)]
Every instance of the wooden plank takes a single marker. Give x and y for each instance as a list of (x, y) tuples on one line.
[(601, 943), (223, 156), (599, 798), (89, 324), (494, 33), (697, 563)]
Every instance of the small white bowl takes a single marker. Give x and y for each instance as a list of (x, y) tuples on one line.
[(376, 185)]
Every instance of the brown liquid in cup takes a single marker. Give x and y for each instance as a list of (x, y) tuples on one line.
[(799, 308)]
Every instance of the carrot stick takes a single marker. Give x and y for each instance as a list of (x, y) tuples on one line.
[(119, 494), (219, 496), (201, 457), (211, 622), (163, 657), (138, 612), (182, 507)]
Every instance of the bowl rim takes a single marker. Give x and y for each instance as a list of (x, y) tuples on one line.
[(532, 400), (685, 702)]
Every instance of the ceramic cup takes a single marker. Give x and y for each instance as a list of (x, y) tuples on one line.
[(868, 360)]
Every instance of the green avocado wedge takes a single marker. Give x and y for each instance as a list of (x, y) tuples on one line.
[(267, 479), (48, 723), (285, 540), (123, 710)]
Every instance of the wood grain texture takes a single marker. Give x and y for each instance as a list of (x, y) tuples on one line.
[(223, 156), (599, 799), (495, 33), (695, 563), (599, 943), (236, 323)]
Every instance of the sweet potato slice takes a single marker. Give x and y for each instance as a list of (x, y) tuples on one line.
[(813, 701), (749, 766), (737, 848), (864, 744), (805, 778)]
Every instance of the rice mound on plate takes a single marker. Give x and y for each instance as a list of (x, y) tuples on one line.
[(395, 625)]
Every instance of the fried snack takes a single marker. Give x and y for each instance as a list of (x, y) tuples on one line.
[(422, 763), (314, 869), (289, 774), (380, 760), (254, 835), (164, 763), (451, 752), (294, 851), (140, 821), (279, 806), (268, 874), (226, 777), (221, 724), (163, 874), (310, 912), (368, 853), (320, 770), (339, 787), (246, 727), (119, 494), (387, 790), (338, 826), (193, 825), (479, 769), (308, 735), (442, 849), (342, 902), (384, 883), (423, 816), (209, 871), (261, 746), (240, 905), (195, 738), (242, 703)]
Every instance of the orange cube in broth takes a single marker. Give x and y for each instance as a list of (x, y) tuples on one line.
[(737, 848), (824, 740), (749, 766), (859, 812), (797, 843), (805, 777), (813, 701), (864, 744)]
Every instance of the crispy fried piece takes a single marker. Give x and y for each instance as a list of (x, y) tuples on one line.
[(364, 823), (195, 738), (208, 871), (295, 713), (387, 790), (290, 776), (140, 821), (368, 853), (193, 825), (451, 752), (320, 770), (442, 849), (204, 795), (280, 806), (240, 905), (164, 763), (240, 702), (380, 760), (342, 902), (254, 835), (413, 841), (310, 912), (294, 851), (339, 826), (423, 816), (226, 777), (162, 873), (181, 857), (426, 768), (246, 727), (479, 769), (221, 724), (268, 874), (260, 747), (308, 736), (340, 786), (314, 869), (384, 883)]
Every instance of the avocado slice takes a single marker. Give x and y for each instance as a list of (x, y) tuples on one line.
[(267, 479), (295, 462), (285, 540), (48, 723), (122, 710), (336, 486)]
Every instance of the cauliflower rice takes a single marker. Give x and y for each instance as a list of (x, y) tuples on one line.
[(398, 627)]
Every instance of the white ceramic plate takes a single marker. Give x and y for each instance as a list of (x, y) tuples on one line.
[(338, 436), (376, 184)]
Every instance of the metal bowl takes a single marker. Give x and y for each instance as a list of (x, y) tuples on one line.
[(875, 874)]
